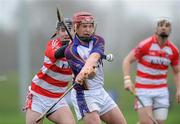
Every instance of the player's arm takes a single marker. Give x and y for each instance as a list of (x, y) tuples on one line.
[(60, 52), (176, 72), (126, 65), (89, 69)]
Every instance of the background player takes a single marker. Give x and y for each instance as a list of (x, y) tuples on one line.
[(153, 55)]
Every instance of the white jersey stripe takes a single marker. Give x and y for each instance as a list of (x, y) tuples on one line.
[(150, 71), (155, 46), (47, 60), (43, 95), (168, 50), (150, 81), (45, 85), (58, 63), (62, 64), (149, 58), (57, 76)]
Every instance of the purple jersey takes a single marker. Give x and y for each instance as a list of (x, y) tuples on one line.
[(78, 52)]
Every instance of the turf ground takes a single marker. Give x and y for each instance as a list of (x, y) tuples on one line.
[(10, 110)]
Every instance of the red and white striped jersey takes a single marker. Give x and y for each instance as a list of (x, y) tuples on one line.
[(153, 62), (52, 79)]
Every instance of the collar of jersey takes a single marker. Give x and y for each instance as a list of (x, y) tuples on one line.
[(156, 41), (77, 42)]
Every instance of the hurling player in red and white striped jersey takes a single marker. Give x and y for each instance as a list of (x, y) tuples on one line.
[(153, 55), (50, 83)]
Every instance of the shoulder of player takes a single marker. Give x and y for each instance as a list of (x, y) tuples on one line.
[(173, 46), (98, 38), (147, 42)]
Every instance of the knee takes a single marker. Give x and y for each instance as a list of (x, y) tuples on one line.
[(92, 118)]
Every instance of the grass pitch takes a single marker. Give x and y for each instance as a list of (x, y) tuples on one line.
[(11, 111)]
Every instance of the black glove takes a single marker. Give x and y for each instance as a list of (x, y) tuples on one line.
[(60, 52)]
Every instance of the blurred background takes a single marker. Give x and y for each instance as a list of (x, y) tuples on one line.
[(27, 25)]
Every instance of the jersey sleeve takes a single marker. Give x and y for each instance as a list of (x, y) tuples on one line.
[(175, 59), (98, 46), (141, 49), (51, 48)]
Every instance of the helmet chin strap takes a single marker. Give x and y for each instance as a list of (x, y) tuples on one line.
[(65, 42), (85, 39)]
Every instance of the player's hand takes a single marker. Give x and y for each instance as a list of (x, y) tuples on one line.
[(85, 73), (128, 85), (90, 72), (80, 78), (178, 96)]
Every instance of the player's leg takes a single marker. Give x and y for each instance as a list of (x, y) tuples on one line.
[(31, 117), (161, 104), (62, 115), (144, 108), (144, 114), (109, 111), (85, 106), (92, 118), (161, 115), (33, 109), (114, 116)]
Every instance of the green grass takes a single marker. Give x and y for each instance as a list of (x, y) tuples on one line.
[(11, 113)]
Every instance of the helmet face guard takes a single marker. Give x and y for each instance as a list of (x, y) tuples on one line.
[(163, 22), (68, 22), (82, 18)]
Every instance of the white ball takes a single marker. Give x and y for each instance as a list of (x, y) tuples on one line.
[(109, 57)]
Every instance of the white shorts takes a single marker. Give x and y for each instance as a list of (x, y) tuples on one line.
[(91, 100), (157, 98), (41, 103)]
